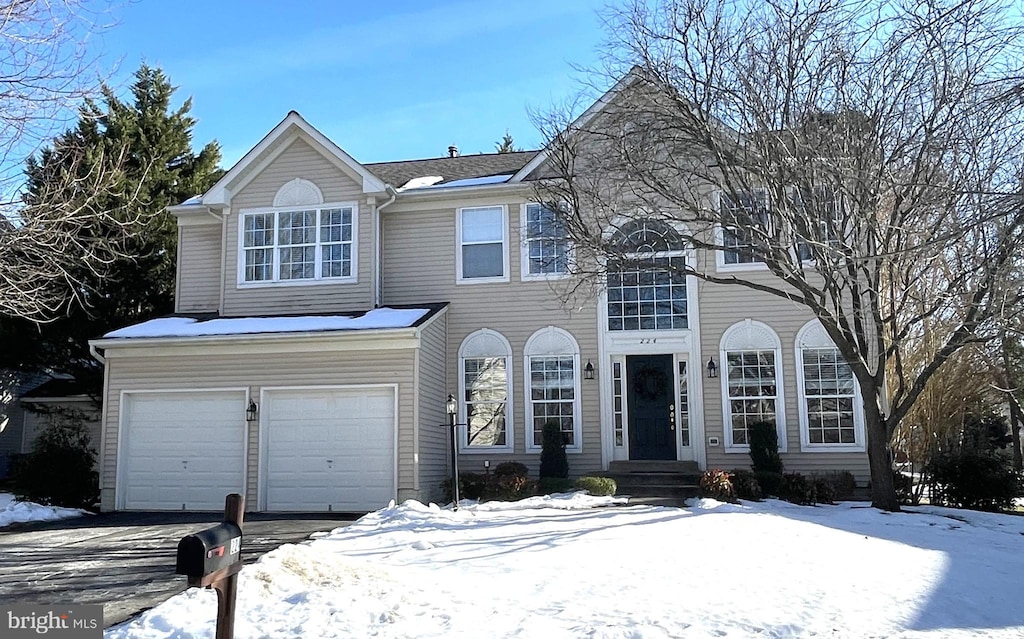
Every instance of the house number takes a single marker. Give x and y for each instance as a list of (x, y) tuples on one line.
[(649, 340)]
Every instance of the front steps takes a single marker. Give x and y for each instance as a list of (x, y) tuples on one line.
[(662, 483)]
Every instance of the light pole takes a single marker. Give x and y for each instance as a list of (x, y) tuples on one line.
[(453, 409)]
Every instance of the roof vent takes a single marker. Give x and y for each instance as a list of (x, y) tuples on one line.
[(453, 151)]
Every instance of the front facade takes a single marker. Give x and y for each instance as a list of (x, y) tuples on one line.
[(327, 308)]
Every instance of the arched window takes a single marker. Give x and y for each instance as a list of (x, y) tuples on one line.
[(751, 357), (485, 390), (647, 287), (831, 413), (552, 368)]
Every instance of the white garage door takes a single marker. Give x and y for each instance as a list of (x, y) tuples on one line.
[(182, 450), (328, 449)]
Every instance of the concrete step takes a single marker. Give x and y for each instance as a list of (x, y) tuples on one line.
[(675, 491), (644, 466), (640, 479), (673, 502)]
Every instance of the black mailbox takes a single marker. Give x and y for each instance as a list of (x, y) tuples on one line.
[(210, 550)]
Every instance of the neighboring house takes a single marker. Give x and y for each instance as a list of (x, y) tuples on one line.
[(31, 403), (326, 308)]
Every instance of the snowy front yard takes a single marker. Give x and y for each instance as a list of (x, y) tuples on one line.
[(15, 512), (558, 567)]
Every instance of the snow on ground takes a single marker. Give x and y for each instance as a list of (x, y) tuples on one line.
[(13, 512), (559, 567)]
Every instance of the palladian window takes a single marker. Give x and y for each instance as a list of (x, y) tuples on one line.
[(647, 286)]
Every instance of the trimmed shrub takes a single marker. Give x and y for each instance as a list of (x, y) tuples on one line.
[(746, 485), (843, 483), (764, 447), (553, 462), (59, 470), (471, 486), (597, 486), (797, 489), (970, 468), (770, 482), (549, 485), (715, 484), (824, 490), (512, 482)]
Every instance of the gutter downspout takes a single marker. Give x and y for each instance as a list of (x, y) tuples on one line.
[(96, 354), (378, 281), (223, 260)]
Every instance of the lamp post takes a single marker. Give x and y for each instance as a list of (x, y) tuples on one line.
[(453, 408)]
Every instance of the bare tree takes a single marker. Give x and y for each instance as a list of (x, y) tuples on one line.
[(851, 148), (45, 74)]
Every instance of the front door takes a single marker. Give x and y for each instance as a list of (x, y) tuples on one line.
[(651, 404)]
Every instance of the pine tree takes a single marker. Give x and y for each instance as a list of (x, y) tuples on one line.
[(506, 145), (160, 169)]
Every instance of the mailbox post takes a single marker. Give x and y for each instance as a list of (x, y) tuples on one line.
[(212, 558)]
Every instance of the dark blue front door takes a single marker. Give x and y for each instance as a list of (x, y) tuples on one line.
[(651, 401)]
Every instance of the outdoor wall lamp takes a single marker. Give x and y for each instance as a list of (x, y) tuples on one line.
[(452, 408), (252, 412), (588, 371), (712, 367)]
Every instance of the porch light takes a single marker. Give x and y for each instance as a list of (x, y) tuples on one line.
[(252, 412), (451, 406), (588, 371), (712, 367)]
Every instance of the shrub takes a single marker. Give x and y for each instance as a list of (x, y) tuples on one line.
[(715, 484), (970, 470), (511, 482), (770, 482), (904, 485), (824, 490), (797, 489), (553, 462), (597, 485), (746, 485), (843, 483), (764, 447), (59, 470), (549, 485)]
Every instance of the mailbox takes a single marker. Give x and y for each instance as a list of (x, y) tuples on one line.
[(210, 550)]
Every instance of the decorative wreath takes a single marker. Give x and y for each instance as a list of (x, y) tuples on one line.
[(650, 383)]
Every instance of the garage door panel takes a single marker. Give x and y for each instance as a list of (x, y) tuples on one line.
[(182, 449), (329, 449)]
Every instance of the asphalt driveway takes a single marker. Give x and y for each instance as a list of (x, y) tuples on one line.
[(125, 561)]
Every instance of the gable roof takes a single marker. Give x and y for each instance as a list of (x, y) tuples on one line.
[(451, 169), (291, 127)]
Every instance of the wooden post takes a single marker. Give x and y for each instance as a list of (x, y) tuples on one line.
[(227, 588)]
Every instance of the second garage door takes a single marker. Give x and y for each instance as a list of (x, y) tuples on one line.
[(330, 449)]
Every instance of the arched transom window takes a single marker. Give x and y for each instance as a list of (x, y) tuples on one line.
[(647, 286), (485, 388)]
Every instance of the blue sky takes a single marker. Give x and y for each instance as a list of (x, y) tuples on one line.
[(386, 81)]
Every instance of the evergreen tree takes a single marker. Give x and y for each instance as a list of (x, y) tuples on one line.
[(506, 145), (159, 169)]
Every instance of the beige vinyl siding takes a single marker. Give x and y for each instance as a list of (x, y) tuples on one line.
[(300, 160), (199, 277), (721, 306), (432, 395), (254, 371), (419, 266)]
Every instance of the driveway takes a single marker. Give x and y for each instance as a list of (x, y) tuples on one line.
[(125, 561)]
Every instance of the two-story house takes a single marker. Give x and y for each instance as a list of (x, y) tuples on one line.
[(327, 308)]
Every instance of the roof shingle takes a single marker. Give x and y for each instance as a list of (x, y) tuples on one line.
[(461, 167)]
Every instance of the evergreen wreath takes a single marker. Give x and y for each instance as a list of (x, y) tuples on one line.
[(650, 383)]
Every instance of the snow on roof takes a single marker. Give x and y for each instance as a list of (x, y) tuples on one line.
[(489, 179), (195, 200), (420, 182), (379, 318)]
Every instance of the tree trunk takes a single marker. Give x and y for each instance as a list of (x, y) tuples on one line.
[(1011, 392), (883, 488)]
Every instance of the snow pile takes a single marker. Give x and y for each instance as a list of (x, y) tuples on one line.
[(378, 318), (16, 512), (555, 567), (420, 182), (478, 181)]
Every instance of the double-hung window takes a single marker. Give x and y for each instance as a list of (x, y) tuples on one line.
[(552, 383), (298, 245), (741, 213), (483, 244), (830, 411), (751, 355), (818, 212), (546, 243), (485, 361)]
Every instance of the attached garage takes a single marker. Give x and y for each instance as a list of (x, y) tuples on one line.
[(181, 450), (328, 448)]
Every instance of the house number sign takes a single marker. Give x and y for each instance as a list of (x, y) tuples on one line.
[(648, 340)]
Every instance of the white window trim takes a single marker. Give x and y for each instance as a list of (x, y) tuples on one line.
[(719, 230), (770, 341), (812, 335), (504, 246), (524, 252), (531, 350), (509, 399), (349, 279)]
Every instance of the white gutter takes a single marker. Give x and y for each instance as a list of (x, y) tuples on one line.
[(345, 334), (378, 262), (96, 354)]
